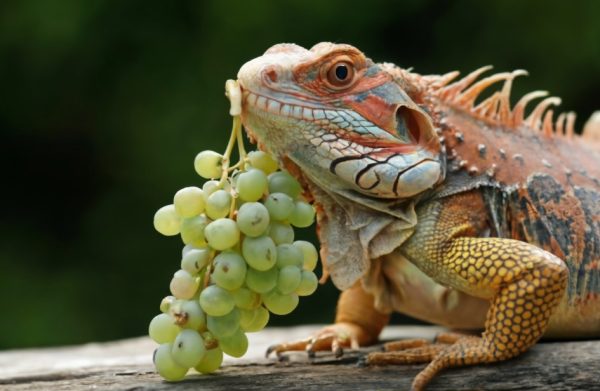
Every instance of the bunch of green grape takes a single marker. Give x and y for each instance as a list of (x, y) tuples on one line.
[(240, 261)]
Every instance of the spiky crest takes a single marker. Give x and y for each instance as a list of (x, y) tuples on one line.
[(496, 108)]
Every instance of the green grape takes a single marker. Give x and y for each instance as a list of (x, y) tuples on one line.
[(289, 279), (289, 255), (189, 201), (208, 188), (166, 303), (247, 318), (162, 328), (184, 285), (212, 360), (222, 234), (166, 366), (280, 304), (218, 204), (195, 259), (261, 281), (216, 301), (253, 219), (188, 348), (263, 161), (197, 326), (224, 326), (186, 248), (188, 314), (167, 221), (281, 232), (192, 230), (210, 341), (261, 318), (310, 254), (260, 252), (308, 284), (303, 215), (279, 205), (229, 270), (246, 299), (282, 182), (251, 185), (209, 164), (235, 345)]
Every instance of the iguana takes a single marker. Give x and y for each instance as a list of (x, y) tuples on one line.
[(431, 201)]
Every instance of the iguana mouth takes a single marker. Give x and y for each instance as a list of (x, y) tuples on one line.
[(280, 108), (277, 107)]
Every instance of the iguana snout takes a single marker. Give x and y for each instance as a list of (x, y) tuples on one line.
[(341, 118)]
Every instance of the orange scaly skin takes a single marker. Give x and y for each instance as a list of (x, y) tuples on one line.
[(523, 283), (472, 216)]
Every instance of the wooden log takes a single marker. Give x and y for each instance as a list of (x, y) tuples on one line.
[(126, 365)]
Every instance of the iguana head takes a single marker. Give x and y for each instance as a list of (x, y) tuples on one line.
[(341, 118)]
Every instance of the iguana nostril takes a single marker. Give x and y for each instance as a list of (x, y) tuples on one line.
[(270, 74)]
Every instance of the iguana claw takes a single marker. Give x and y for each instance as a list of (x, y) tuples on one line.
[(333, 338)]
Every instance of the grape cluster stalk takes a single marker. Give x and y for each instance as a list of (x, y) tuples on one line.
[(240, 262)]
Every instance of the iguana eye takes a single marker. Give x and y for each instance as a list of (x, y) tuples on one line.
[(340, 74)]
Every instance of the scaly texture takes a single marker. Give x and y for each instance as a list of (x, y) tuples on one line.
[(525, 285), (462, 211)]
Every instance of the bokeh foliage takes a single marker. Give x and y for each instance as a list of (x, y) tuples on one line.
[(104, 104)]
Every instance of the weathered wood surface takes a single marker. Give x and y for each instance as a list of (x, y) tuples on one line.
[(126, 365)]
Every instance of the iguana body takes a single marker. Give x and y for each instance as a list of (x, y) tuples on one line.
[(469, 216)]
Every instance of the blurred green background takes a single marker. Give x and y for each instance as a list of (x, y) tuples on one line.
[(104, 104)]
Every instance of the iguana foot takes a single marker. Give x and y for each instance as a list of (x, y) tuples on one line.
[(334, 338), (418, 351), (418, 355), (412, 351), (405, 344)]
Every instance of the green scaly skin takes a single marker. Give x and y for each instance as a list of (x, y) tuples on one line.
[(433, 206)]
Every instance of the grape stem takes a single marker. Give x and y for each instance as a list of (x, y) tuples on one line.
[(207, 275), (240, 141), (234, 197), (234, 167), (236, 128)]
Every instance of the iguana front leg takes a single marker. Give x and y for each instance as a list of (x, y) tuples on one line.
[(357, 323), (523, 283)]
